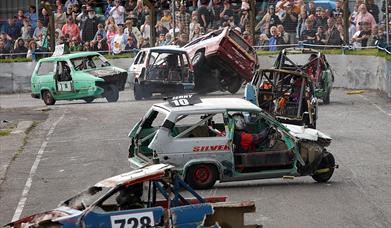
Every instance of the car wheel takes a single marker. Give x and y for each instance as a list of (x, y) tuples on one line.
[(47, 97), (198, 60), (202, 176), (89, 99), (137, 92), (328, 161), (112, 93), (326, 99), (235, 85)]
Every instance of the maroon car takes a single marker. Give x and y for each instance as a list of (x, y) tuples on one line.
[(222, 60)]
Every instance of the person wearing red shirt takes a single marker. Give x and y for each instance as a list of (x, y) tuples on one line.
[(71, 29)]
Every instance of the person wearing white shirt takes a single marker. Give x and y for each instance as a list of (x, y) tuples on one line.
[(119, 41), (145, 29), (118, 12)]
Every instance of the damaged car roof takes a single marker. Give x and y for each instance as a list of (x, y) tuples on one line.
[(151, 172)]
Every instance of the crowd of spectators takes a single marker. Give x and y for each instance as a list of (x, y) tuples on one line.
[(116, 26)]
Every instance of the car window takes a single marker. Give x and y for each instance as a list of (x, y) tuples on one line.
[(242, 43), (89, 62), (154, 120), (164, 59), (46, 68), (142, 58), (199, 125), (128, 197), (138, 56)]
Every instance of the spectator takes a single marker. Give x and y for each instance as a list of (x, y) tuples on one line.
[(263, 42), (12, 29), (131, 43), (270, 19), (332, 35), (184, 18), (74, 45), (33, 17), (373, 9), (39, 30), (217, 9), (144, 43), (341, 32), (160, 29), (227, 11), (196, 33), (273, 39), (119, 41), (145, 29), (131, 29), (320, 36), (284, 36), (139, 12), (4, 51), (321, 18), (90, 26), (108, 8), (86, 46), (111, 32), (289, 21), (129, 6), (310, 9), (360, 38), (59, 19), (204, 15), (100, 31), (82, 17), (302, 19), (374, 37), (247, 37), (71, 13), (364, 16), (194, 23), (118, 12), (20, 48), (44, 17), (20, 18), (26, 30), (32, 49), (167, 40), (166, 20), (101, 44), (160, 40), (7, 40), (110, 21), (67, 4), (60, 6), (309, 34), (71, 29)]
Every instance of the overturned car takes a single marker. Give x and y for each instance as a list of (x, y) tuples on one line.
[(222, 60), (153, 196), (199, 137)]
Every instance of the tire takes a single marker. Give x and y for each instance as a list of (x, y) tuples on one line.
[(89, 99), (137, 92), (47, 97), (235, 85), (327, 162), (326, 98), (202, 176), (111, 93), (198, 60)]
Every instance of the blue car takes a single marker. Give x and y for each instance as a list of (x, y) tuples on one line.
[(149, 197)]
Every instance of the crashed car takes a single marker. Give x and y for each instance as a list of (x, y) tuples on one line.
[(287, 95), (197, 136), (222, 60), (166, 70), (79, 76), (312, 63), (153, 196)]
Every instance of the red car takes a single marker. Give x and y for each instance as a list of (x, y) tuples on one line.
[(222, 60)]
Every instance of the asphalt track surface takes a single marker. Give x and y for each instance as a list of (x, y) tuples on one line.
[(80, 144)]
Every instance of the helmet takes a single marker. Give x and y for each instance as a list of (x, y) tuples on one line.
[(240, 123)]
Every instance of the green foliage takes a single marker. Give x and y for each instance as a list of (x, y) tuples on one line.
[(5, 132)]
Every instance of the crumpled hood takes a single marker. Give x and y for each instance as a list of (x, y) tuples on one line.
[(108, 71), (51, 215), (306, 133)]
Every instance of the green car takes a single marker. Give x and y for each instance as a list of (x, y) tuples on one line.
[(311, 62), (85, 76)]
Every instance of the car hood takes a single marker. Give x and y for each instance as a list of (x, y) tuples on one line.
[(301, 132), (102, 72), (51, 215)]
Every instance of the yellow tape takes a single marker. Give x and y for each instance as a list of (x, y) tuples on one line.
[(355, 92)]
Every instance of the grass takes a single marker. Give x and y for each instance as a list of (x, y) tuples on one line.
[(21, 148), (365, 52), (5, 132)]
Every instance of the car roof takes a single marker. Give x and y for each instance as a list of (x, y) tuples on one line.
[(212, 104), (169, 48), (291, 72), (300, 51), (69, 56), (152, 172)]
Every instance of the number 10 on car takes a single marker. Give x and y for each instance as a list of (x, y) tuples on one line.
[(137, 220)]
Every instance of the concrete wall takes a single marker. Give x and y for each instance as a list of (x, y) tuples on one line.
[(352, 72)]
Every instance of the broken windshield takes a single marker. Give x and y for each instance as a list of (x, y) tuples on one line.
[(89, 62), (86, 198)]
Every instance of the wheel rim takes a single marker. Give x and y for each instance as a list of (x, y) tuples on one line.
[(47, 97), (196, 58), (202, 174)]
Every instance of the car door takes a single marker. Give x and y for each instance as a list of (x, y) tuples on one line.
[(135, 69), (44, 77), (64, 80), (196, 137)]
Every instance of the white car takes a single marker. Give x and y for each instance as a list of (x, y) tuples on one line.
[(197, 137)]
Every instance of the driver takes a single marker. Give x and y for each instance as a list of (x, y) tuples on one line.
[(130, 197), (244, 141)]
